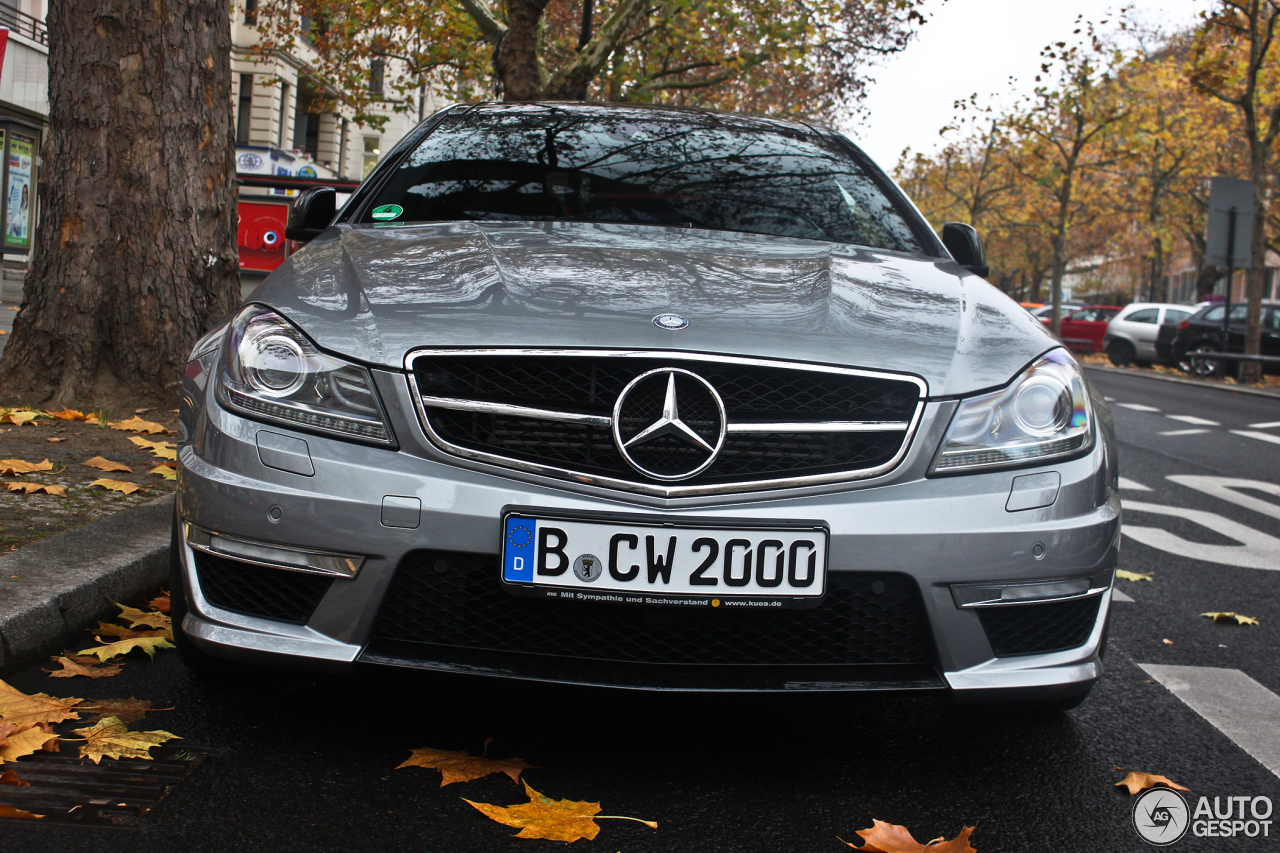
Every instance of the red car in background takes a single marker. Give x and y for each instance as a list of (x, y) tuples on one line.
[(1084, 328)]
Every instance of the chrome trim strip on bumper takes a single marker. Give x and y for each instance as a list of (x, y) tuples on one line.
[(305, 560), (515, 411), (657, 490), (822, 426)]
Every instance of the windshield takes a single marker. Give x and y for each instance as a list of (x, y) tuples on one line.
[(696, 172)]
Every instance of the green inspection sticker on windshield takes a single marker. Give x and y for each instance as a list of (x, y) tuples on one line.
[(386, 212)]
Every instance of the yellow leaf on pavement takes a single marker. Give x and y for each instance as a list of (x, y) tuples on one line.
[(1136, 782), (24, 740), (1231, 617), (136, 617), (17, 707), (166, 471), (32, 488), (10, 811), (137, 424), (1126, 575), (163, 449), (123, 647), (17, 416), (126, 710), (111, 738), (890, 838), (107, 465), (556, 820), (117, 486), (69, 415), (82, 665), (124, 633), (461, 767), (17, 466)]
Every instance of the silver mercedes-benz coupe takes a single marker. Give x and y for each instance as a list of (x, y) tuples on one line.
[(643, 398)]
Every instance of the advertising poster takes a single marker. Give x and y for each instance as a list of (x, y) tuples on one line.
[(18, 197)]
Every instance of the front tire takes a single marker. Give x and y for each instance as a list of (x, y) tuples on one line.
[(1121, 353), (1202, 367)]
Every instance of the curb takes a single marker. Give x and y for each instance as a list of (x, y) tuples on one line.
[(1221, 386), (67, 581)]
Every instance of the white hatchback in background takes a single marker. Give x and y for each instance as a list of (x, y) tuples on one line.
[(1131, 334)]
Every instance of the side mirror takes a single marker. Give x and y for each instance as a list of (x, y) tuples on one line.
[(965, 246), (312, 212)]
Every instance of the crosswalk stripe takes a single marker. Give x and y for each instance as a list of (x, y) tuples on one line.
[(1232, 702), (1192, 419), (1133, 485), (1267, 425), (1261, 436), (1184, 432), (1138, 407)]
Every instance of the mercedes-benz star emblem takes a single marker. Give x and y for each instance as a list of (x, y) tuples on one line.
[(670, 322), (669, 424)]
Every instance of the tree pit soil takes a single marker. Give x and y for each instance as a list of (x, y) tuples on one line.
[(29, 518)]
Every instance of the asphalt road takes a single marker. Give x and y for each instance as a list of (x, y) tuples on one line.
[(308, 765)]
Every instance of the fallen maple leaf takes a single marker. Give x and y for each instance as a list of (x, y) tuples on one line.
[(890, 838), (54, 438), (166, 471), (18, 708), (25, 740), (1126, 575), (17, 466), (1136, 782), (137, 424), (461, 767), (123, 633), (111, 738), (126, 710), (1231, 617), (1167, 642), (32, 488), (160, 603), (556, 820), (123, 647), (18, 416), (136, 617), (82, 666), (107, 465), (163, 449), (10, 777), (117, 486), (10, 811), (69, 415)]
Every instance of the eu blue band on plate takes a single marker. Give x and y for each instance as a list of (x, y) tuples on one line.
[(518, 551)]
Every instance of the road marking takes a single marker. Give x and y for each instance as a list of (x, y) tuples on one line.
[(1192, 419), (1267, 425), (1109, 399), (1117, 595), (1263, 436), (1133, 485), (1184, 432), (1224, 488), (1256, 551), (1232, 702), (1138, 407)]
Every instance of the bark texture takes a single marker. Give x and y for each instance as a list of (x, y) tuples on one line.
[(135, 253)]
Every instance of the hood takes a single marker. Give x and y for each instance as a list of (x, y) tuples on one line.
[(373, 293)]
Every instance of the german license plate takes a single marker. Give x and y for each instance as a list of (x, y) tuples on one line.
[(663, 563)]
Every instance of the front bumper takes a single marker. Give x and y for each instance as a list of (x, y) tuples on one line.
[(939, 532)]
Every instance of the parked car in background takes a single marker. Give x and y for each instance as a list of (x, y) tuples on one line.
[(1202, 332), (1046, 311), (1168, 330), (1084, 328), (1131, 334)]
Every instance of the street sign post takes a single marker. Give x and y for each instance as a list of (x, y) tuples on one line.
[(1229, 239)]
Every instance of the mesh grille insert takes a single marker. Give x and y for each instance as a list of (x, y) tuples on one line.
[(1028, 629), (455, 599), (259, 591)]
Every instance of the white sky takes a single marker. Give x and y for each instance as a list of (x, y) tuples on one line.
[(973, 46)]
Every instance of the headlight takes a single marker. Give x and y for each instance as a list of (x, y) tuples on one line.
[(271, 371), (1044, 414)]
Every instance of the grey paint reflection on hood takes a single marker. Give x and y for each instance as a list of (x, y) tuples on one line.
[(373, 293)]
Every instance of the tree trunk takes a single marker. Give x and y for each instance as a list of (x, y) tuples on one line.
[(1059, 269), (135, 253), (1158, 290), (1256, 279), (516, 60)]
